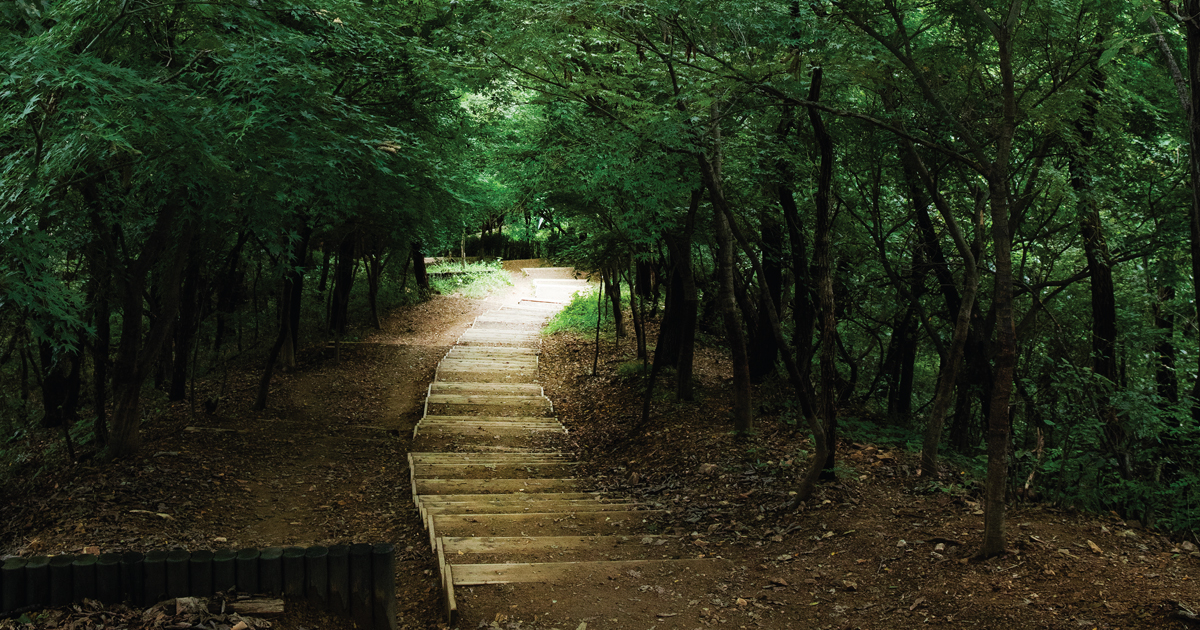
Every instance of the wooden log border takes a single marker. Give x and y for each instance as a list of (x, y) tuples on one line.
[(355, 581)]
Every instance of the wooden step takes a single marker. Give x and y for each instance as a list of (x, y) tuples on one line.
[(512, 318), (511, 508), (511, 497), (531, 420), (483, 360), (488, 399), (503, 351), (510, 471), (540, 524), (477, 574), (485, 431), (532, 544), (498, 389), (505, 458), (484, 486), (460, 426)]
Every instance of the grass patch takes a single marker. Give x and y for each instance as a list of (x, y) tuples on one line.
[(578, 317), (475, 280)]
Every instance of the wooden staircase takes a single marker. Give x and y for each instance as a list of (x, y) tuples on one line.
[(490, 479)]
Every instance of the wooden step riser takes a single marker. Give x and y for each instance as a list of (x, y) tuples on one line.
[(514, 352), (515, 509), (501, 458), (478, 574), (484, 486), (527, 471), (534, 524), (482, 419), (487, 389), (511, 497), (488, 399), (522, 544)]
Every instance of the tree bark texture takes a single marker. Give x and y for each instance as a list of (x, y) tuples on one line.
[(823, 265), (710, 166), (343, 280), (999, 426), (137, 348)]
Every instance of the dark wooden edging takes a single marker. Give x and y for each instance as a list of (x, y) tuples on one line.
[(356, 581)]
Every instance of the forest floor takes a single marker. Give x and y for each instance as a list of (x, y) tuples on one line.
[(325, 464)]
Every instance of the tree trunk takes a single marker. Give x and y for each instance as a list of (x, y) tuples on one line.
[(613, 289), (823, 264), (295, 278), (1104, 306), (639, 326), (375, 261), (803, 312), (186, 326), (100, 350), (999, 426), (60, 386), (952, 362), (418, 259), (710, 167), (689, 302), (1192, 29), (764, 352), (136, 355), (343, 280), (1164, 348)]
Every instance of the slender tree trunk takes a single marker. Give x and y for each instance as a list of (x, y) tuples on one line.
[(1164, 348), (135, 355), (100, 350), (418, 259), (999, 421), (803, 311), (710, 166), (343, 280), (639, 326), (1192, 29), (60, 386), (689, 302), (186, 326), (823, 264), (765, 352), (952, 362), (613, 289)]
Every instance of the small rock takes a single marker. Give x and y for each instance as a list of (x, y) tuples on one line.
[(779, 581), (707, 469), (1094, 547), (936, 556), (742, 602), (940, 547), (220, 539), (903, 543)]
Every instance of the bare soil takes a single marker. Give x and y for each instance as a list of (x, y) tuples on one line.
[(325, 464)]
